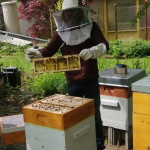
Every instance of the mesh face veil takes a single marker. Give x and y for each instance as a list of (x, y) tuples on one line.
[(74, 25)]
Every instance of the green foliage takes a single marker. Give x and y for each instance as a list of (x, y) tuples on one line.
[(51, 83), (116, 48), (137, 48), (9, 49), (47, 84), (129, 49), (140, 13)]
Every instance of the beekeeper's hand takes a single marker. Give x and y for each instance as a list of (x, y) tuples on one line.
[(33, 53), (93, 52)]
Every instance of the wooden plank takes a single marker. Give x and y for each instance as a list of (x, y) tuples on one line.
[(43, 118), (78, 114), (115, 91), (1, 126), (141, 103), (112, 135), (13, 138), (141, 123), (141, 141), (58, 111), (129, 138), (56, 64)]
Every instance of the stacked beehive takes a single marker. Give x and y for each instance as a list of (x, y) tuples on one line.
[(56, 64), (60, 122), (116, 102), (141, 114), (12, 129)]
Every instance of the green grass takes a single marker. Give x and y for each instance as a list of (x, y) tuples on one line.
[(22, 64), (51, 83)]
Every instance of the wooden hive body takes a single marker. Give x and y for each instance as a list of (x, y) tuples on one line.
[(141, 121), (56, 64), (141, 114), (12, 129), (62, 119)]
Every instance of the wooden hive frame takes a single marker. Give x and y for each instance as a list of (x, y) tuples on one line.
[(56, 64)]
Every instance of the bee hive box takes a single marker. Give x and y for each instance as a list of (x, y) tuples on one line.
[(56, 64), (62, 119), (12, 129)]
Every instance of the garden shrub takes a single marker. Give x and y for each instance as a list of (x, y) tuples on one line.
[(115, 48), (9, 49), (130, 49), (47, 84)]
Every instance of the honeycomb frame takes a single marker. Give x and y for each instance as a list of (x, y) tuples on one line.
[(56, 64)]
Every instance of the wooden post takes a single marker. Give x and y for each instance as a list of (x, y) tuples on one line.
[(105, 19), (116, 27), (138, 20)]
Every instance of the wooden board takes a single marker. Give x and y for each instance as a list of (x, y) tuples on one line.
[(13, 138), (141, 141), (141, 103), (141, 123), (56, 64), (115, 91), (58, 111)]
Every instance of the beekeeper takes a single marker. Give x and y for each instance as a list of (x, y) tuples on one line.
[(77, 34)]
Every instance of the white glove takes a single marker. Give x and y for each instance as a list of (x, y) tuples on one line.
[(93, 52), (33, 53)]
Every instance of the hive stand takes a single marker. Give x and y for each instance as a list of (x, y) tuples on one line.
[(56, 64)]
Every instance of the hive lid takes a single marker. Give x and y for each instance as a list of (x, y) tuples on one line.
[(142, 85), (108, 77), (11, 123)]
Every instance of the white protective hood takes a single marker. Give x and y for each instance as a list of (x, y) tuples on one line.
[(74, 24)]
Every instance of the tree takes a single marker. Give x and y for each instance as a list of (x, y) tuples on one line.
[(140, 13), (41, 12)]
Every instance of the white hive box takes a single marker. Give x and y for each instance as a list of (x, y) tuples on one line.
[(116, 97), (116, 112), (12, 129), (60, 122)]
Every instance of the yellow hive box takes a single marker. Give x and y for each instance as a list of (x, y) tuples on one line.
[(141, 103), (12, 129), (58, 111), (56, 64), (141, 121)]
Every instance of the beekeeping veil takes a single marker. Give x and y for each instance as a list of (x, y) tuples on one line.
[(73, 23)]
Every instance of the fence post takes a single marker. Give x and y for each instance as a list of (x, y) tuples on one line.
[(116, 27), (105, 19), (145, 18), (138, 20)]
